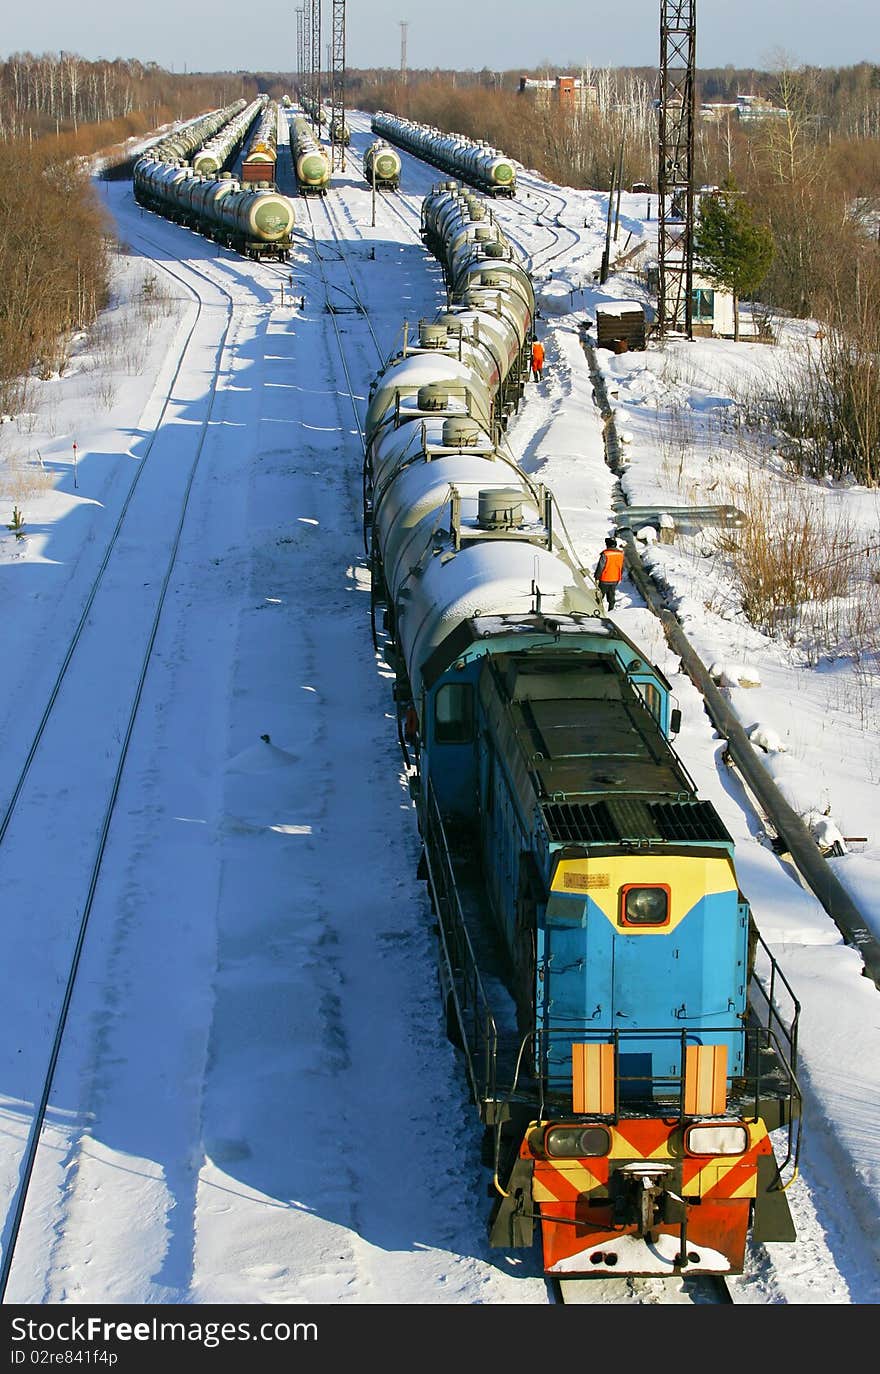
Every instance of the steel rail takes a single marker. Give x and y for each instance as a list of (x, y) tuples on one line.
[(35, 1133)]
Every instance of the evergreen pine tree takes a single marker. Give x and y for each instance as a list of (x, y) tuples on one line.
[(735, 252)]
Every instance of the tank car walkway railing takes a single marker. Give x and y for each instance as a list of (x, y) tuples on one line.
[(823, 883)]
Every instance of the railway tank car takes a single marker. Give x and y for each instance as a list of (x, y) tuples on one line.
[(627, 1037), (311, 165), (183, 142), (382, 166), (483, 166), (261, 154), (340, 131), (212, 157), (255, 221), (317, 114)]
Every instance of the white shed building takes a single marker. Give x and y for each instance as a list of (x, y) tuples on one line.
[(712, 308)]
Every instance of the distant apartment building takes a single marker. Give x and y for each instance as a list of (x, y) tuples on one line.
[(564, 92)]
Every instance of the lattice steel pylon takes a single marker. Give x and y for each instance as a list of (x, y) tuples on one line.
[(315, 93), (675, 177), (404, 25), (337, 85), (300, 63)]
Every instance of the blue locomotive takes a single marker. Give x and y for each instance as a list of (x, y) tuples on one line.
[(629, 1041)]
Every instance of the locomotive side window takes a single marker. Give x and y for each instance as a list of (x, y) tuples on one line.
[(644, 906), (651, 697), (454, 713)]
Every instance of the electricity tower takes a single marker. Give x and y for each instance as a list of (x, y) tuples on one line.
[(300, 52), (675, 179), (337, 84), (315, 67), (403, 28)]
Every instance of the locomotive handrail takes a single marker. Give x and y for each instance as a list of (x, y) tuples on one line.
[(757, 1087), (473, 1013)]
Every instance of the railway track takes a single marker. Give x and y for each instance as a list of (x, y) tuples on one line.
[(549, 208), (707, 1290), (89, 713), (99, 1094), (69, 1178)]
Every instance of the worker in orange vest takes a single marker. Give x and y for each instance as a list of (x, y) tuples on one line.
[(411, 728), (609, 570), (537, 360)]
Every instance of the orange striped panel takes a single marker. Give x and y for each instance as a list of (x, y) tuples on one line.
[(705, 1080), (592, 1079)]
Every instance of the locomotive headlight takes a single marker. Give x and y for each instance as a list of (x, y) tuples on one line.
[(573, 1142), (716, 1138), (644, 906)]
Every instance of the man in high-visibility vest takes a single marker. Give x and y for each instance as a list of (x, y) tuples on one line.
[(609, 570), (537, 360)]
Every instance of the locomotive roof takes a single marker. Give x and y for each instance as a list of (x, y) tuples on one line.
[(587, 732), (598, 761)]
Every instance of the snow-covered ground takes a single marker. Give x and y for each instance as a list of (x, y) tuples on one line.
[(254, 1101)]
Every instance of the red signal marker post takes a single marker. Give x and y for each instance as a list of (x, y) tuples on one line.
[(74, 463)]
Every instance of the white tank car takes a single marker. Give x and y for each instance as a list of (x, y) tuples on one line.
[(258, 213), (383, 161), (461, 532), (311, 164), (212, 157), (477, 162), (255, 221)]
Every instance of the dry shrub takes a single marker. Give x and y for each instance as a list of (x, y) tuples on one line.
[(154, 300), (103, 390), (21, 479), (803, 572)]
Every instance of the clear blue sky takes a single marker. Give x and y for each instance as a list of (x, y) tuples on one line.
[(457, 34)]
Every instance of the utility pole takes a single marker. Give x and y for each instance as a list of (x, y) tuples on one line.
[(675, 178), (337, 84), (373, 175), (403, 28), (606, 255)]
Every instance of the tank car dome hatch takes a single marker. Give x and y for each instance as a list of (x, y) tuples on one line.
[(501, 509), (460, 431), (432, 396), (432, 335)]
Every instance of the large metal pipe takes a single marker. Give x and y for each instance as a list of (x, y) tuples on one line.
[(824, 884)]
